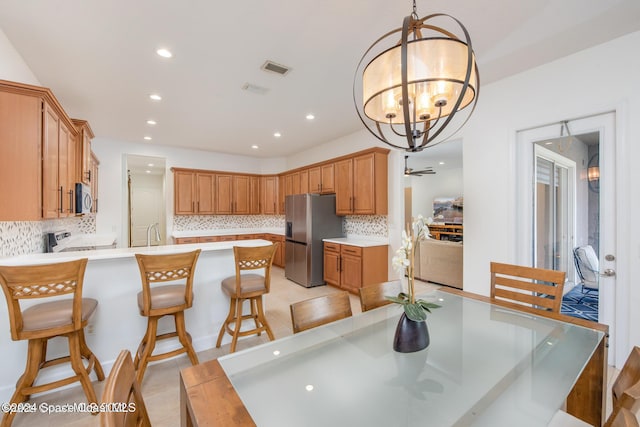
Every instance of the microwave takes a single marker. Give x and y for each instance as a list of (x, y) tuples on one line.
[(84, 201)]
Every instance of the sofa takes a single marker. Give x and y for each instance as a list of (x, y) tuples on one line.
[(439, 261)]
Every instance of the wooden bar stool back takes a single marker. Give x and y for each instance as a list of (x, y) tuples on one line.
[(318, 311), (59, 317), (537, 287), (374, 296), (247, 287), (159, 299), (122, 388)]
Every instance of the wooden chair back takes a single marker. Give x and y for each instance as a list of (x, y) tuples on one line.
[(122, 387), (254, 258), (527, 285), (42, 281), (623, 418), (167, 268), (374, 296), (318, 311), (625, 392)]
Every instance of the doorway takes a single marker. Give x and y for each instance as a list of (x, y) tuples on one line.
[(586, 141), (146, 200)]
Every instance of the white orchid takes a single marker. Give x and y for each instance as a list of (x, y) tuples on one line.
[(403, 263)]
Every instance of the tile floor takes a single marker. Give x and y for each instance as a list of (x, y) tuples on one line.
[(161, 383)]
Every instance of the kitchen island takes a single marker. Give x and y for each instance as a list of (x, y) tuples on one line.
[(112, 277)]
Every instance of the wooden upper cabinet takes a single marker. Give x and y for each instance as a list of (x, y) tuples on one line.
[(83, 151), (205, 192), (21, 135), (254, 195), (184, 193), (281, 193), (361, 185), (233, 194), (58, 167), (241, 195), (315, 179), (224, 194), (321, 179), (327, 185), (344, 187), (269, 195), (304, 182)]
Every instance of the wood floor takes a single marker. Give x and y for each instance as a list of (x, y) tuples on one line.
[(161, 382)]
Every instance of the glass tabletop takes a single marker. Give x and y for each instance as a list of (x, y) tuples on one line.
[(485, 366)]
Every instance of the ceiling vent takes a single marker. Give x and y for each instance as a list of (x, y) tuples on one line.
[(275, 68), (254, 88)]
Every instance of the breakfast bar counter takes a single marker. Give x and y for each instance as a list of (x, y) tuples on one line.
[(113, 278)]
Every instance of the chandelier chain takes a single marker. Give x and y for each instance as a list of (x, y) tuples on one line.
[(415, 11)]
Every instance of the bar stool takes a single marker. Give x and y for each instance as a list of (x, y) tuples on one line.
[(66, 317), (252, 287), (173, 299)]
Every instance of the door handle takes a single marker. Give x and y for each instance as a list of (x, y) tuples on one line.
[(609, 272), (61, 198)]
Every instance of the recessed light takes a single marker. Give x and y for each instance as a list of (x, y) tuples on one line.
[(151, 122), (255, 147), (148, 171), (277, 134), (150, 165), (165, 53), (441, 163), (147, 138), (310, 117), (308, 387), (155, 97)]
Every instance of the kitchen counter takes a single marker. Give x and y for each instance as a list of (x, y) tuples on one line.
[(357, 241), (113, 278)]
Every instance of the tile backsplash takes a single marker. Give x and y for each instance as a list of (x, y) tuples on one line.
[(226, 222), (27, 237), (355, 225)]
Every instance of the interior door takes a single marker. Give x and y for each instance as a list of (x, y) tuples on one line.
[(612, 295)]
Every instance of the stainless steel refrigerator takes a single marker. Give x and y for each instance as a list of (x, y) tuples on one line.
[(309, 219)]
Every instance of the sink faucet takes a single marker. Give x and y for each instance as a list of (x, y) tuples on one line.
[(157, 235)]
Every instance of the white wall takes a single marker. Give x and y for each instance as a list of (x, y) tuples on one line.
[(12, 66), (593, 81), (425, 188)]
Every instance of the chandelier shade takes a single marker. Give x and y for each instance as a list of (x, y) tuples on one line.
[(413, 82)]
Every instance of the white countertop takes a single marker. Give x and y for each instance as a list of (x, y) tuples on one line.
[(226, 232), (357, 241), (107, 254)]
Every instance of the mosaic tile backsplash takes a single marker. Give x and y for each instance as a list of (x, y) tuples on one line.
[(355, 225), (28, 237), (226, 222)]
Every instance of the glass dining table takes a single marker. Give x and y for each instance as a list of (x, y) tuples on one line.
[(486, 365)]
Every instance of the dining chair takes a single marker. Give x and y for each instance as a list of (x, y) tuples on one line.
[(622, 418), (538, 287), (248, 287), (175, 294), (625, 394), (122, 388), (318, 311), (374, 296), (58, 317)]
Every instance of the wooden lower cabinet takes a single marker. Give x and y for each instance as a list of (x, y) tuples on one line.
[(352, 267), (278, 260)]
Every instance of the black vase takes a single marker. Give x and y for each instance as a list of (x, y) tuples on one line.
[(410, 335)]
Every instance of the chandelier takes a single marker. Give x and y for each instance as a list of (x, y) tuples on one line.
[(412, 87)]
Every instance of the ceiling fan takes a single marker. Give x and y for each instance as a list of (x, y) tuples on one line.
[(408, 171)]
